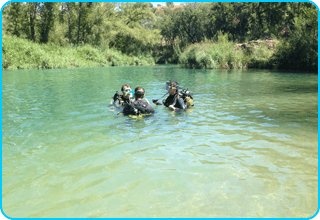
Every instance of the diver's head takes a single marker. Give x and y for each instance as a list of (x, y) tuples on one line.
[(125, 90), (138, 93), (172, 87)]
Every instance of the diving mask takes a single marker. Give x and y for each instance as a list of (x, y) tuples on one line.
[(171, 84), (168, 87), (130, 93), (127, 90)]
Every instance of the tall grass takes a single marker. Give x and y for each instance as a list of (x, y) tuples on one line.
[(225, 54), (22, 54)]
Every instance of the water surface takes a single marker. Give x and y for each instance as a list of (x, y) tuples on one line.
[(249, 147)]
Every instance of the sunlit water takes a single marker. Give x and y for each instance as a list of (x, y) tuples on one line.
[(249, 147)]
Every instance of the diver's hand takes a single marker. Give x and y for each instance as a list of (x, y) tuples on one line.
[(155, 101), (171, 107)]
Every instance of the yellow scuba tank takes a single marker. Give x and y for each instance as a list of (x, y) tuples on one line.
[(186, 95), (189, 101)]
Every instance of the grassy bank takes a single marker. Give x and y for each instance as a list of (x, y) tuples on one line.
[(228, 55), (22, 54), (295, 53)]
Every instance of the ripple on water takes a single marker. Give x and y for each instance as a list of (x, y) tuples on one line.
[(247, 148)]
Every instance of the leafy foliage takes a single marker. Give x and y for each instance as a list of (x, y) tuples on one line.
[(165, 33), (300, 51), (225, 54), (47, 14), (186, 24), (22, 54)]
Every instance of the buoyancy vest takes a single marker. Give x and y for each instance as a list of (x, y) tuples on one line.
[(175, 101), (171, 100), (138, 107)]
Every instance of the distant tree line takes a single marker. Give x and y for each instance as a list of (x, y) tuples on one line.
[(243, 21), (78, 23), (140, 29), (97, 22)]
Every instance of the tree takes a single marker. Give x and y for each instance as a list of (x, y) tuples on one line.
[(79, 21), (169, 4), (187, 24), (68, 14), (223, 18), (87, 22), (31, 12), (14, 26), (133, 13), (132, 31), (46, 19)]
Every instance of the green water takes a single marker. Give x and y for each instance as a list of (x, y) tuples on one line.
[(249, 147)]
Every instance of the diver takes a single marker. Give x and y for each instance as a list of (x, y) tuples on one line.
[(138, 106), (125, 97), (176, 101)]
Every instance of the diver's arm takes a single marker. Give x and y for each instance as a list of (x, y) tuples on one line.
[(174, 103), (182, 106), (111, 103), (118, 103), (146, 100), (155, 101)]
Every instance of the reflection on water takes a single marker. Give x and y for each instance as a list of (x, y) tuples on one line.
[(247, 149)]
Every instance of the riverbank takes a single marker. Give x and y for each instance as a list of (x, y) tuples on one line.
[(20, 53), (294, 53), (224, 54)]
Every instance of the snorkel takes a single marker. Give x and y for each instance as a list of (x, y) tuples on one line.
[(169, 86), (130, 93)]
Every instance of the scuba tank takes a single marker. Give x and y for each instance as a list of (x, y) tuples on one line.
[(185, 93), (114, 98), (118, 101)]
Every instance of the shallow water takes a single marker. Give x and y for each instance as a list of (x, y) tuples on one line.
[(249, 147)]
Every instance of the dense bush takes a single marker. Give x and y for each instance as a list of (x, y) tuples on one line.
[(22, 54), (134, 41), (137, 34), (226, 54), (299, 51)]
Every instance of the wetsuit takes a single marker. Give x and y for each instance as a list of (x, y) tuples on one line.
[(137, 107), (178, 103)]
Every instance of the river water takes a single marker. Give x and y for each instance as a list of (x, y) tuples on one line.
[(249, 147)]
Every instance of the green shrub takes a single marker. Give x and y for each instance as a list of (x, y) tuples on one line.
[(22, 54), (300, 53), (225, 54)]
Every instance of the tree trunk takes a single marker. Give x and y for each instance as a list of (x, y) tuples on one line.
[(33, 14), (69, 21), (80, 4)]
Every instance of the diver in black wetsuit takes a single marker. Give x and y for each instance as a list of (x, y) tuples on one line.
[(138, 107), (176, 101), (123, 98)]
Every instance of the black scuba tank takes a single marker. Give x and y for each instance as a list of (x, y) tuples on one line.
[(116, 96)]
